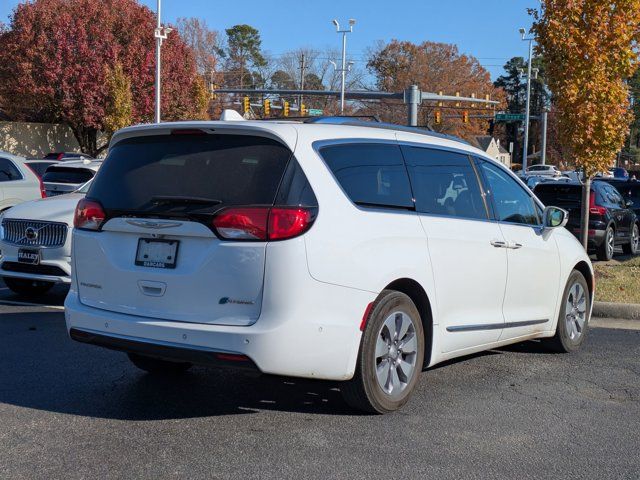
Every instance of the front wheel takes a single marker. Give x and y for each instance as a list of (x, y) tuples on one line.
[(605, 250), (390, 358), (26, 287), (633, 246), (573, 320)]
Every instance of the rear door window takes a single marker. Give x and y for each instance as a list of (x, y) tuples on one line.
[(215, 170), (444, 183), (8, 171), (371, 174), (67, 175)]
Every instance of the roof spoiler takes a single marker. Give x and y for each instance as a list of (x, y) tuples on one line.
[(231, 116)]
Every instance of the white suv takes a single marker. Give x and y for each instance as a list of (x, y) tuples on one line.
[(35, 241), (357, 252)]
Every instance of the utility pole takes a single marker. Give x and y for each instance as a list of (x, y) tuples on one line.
[(413, 98), (525, 147), (160, 34), (302, 68), (343, 70), (543, 152)]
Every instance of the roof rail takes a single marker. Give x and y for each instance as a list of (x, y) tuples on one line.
[(354, 122)]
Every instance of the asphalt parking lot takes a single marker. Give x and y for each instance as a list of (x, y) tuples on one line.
[(70, 410)]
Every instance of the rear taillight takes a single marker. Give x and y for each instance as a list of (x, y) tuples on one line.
[(43, 192), (262, 223), (89, 215), (596, 209)]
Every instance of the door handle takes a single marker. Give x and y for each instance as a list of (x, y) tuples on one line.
[(514, 245), (499, 243)]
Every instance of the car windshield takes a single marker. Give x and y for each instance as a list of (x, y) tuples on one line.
[(67, 175)]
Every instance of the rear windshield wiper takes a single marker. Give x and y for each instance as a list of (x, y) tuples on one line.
[(181, 200)]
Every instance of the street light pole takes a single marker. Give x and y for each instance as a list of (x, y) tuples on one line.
[(525, 147), (160, 33), (343, 70)]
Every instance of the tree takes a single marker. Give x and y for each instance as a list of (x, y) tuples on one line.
[(590, 47), (204, 43), (119, 102), (243, 51), (56, 55), (433, 67), (515, 89)]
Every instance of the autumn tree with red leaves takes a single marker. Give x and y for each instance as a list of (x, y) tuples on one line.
[(56, 58)]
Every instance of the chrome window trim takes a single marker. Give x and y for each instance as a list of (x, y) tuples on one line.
[(495, 326)]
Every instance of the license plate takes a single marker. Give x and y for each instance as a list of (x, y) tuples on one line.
[(157, 253), (29, 255)]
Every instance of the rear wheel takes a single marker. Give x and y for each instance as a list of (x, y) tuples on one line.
[(605, 249), (633, 246), (391, 356), (157, 366), (573, 320), (24, 286)]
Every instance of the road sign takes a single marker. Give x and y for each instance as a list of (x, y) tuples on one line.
[(509, 117), (314, 112)]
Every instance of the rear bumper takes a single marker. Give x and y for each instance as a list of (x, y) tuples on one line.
[(318, 337), (169, 351), (596, 237)]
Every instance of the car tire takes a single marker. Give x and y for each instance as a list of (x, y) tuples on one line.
[(633, 246), (26, 287), (158, 366), (604, 251), (573, 320), (386, 371)]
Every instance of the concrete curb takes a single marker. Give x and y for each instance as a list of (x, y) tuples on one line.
[(628, 311)]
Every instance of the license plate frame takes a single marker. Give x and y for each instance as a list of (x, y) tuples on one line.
[(154, 253), (29, 256)]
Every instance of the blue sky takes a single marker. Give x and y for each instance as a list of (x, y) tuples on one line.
[(487, 29)]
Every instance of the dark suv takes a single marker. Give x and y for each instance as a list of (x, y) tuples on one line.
[(611, 221), (630, 190)]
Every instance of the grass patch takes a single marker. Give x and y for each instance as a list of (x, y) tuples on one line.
[(618, 280)]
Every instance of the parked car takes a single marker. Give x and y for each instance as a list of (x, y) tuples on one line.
[(350, 251), (35, 242), (611, 221), (629, 189), (40, 166), (65, 156), (543, 170), (534, 180), (18, 183), (67, 177)]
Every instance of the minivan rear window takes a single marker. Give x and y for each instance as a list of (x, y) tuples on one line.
[(225, 169), (370, 174), (67, 175)]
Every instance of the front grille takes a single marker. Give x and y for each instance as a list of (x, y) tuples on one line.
[(35, 269), (31, 233)]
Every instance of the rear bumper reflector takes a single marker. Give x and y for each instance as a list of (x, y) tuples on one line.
[(164, 351)]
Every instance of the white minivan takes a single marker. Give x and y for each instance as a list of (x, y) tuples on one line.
[(330, 249)]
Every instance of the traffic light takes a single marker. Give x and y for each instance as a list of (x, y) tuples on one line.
[(438, 117), (267, 107), (303, 110), (285, 109), (465, 117), (246, 105)]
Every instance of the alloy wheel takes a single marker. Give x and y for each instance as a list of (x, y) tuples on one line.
[(576, 311), (396, 353)]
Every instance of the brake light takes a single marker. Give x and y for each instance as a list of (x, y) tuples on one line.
[(43, 192), (262, 223), (242, 223), (288, 222), (89, 215), (593, 208)]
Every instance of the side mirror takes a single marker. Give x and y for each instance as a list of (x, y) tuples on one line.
[(554, 217), (629, 203)]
